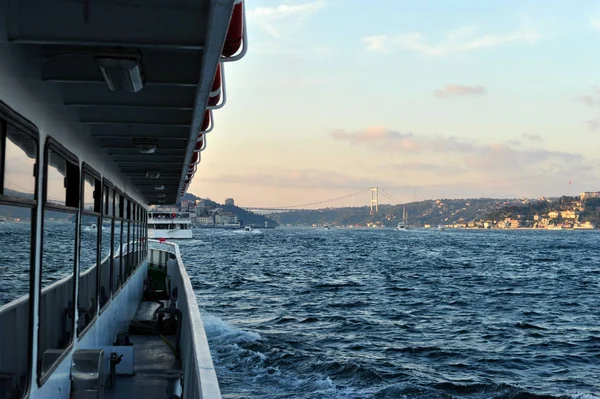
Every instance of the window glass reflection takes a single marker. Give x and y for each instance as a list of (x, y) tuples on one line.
[(21, 149), (88, 193), (57, 169)]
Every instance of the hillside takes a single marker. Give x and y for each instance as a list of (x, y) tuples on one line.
[(244, 216), (429, 212)]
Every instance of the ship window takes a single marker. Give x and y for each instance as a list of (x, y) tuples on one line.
[(18, 195), (105, 261), (57, 299), (57, 296), (16, 234), (20, 153), (118, 208), (108, 201), (127, 255), (90, 203), (56, 179), (87, 302), (116, 274), (138, 238)]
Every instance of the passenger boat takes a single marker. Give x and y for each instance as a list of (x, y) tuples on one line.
[(169, 225), (104, 110)]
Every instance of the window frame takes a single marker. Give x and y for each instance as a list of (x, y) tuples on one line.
[(118, 216), (9, 116), (87, 169), (70, 158), (108, 185)]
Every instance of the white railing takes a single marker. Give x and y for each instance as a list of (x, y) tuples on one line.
[(199, 375)]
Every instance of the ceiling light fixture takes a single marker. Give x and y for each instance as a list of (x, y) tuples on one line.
[(159, 187), (153, 174), (122, 71), (145, 146)]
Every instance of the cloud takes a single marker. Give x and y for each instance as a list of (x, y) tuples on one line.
[(595, 23), (593, 124), (591, 99), (273, 19), (418, 167), (380, 138), (370, 134), (301, 179), (501, 159), (532, 137), (415, 165), (462, 40), (492, 159), (452, 90)]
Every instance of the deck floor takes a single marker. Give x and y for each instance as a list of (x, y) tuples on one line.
[(153, 360)]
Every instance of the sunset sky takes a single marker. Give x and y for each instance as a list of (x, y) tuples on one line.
[(427, 99)]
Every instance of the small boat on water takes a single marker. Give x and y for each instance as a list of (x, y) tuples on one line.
[(247, 230), (93, 227), (326, 227), (441, 227), (2, 219), (403, 224)]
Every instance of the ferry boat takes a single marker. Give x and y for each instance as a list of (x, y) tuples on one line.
[(169, 225), (105, 109)]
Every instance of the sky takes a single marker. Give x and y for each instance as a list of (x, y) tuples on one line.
[(423, 99), (428, 99)]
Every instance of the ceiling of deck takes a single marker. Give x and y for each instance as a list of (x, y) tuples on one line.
[(180, 44)]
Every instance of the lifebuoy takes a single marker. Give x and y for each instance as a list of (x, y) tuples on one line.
[(235, 32), (215, 91)]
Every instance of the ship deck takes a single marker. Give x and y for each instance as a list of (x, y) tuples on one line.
[(152, 364)]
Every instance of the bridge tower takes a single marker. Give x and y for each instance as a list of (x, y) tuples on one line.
[(374, 199)]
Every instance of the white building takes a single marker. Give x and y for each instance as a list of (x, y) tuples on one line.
[(205, 220), (226, 218)]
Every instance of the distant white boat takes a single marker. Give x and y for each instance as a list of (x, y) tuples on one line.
[(326, 227), (93, 227), (2, 219), (248, 230), (441, 227), (403, 224)]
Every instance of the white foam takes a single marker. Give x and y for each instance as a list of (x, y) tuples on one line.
[(220, 330)]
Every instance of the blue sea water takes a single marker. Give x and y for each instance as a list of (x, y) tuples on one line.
[(372, 313), (348, 313)]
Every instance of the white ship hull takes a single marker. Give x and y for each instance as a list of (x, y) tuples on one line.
[(169, 234)]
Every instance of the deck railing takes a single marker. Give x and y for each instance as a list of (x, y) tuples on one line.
[(199, 375)]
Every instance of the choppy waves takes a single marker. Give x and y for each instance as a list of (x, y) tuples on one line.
[(376, 314)]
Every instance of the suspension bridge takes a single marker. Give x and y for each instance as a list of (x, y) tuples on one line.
[(368, 198)]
